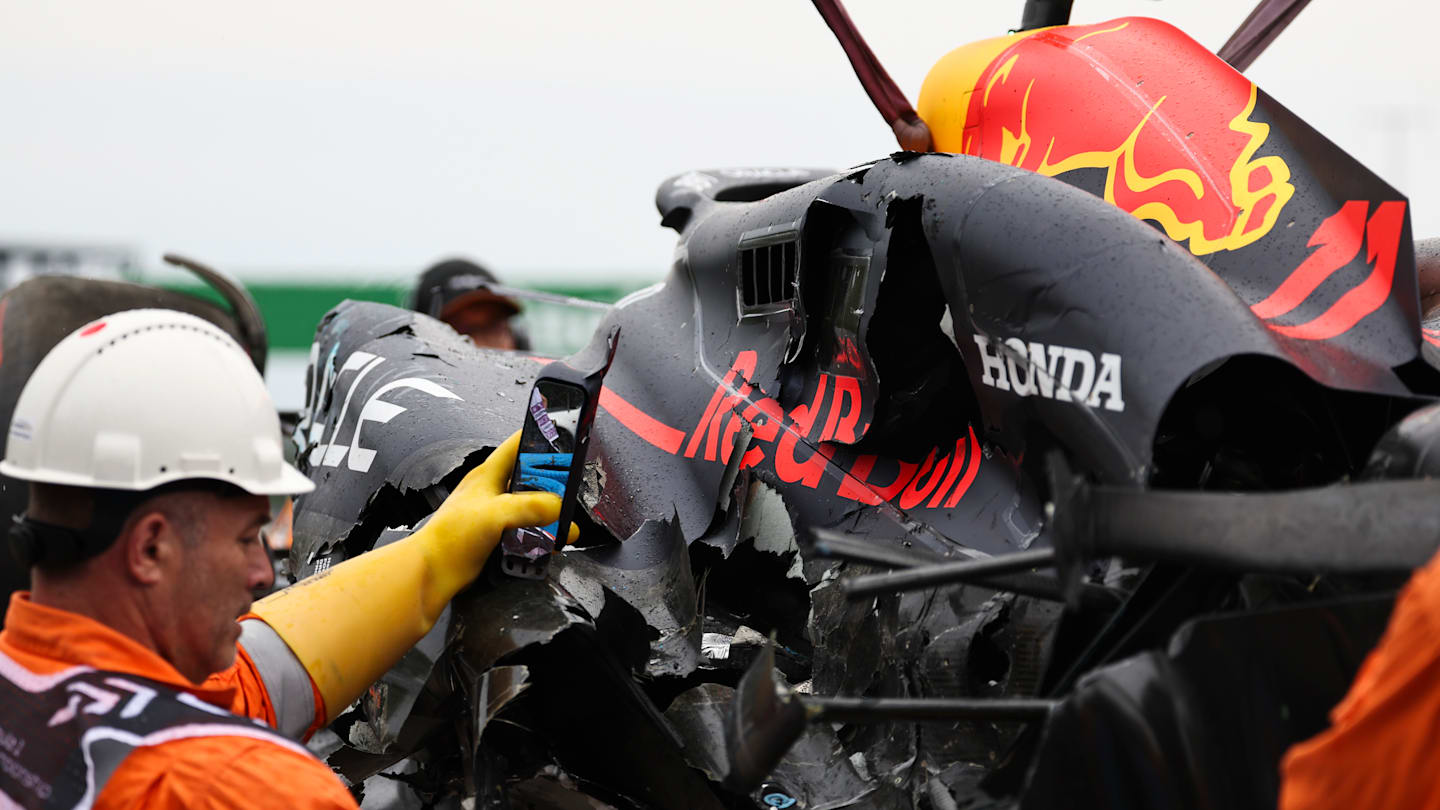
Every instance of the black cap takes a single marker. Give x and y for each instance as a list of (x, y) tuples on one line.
[(452, 283)]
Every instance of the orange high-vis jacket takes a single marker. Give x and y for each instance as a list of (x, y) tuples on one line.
[(198, 772), (1382, 749)]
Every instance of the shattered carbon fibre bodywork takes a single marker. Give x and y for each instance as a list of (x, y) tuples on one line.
[(826, 353)]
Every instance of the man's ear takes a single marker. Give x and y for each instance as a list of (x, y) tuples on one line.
[(150, 547)]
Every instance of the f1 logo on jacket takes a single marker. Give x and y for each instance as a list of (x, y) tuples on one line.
[(66, 733), (91, 699)]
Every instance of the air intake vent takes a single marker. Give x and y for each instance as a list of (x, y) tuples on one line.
[(767, 275)]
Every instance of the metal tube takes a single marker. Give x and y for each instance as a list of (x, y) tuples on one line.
[(837, 545), (548, 298), (1261, 28), (967, 571), (1353, 528), (874, 710)]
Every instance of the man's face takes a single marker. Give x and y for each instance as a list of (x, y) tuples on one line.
[(222, 568), (486, 323)]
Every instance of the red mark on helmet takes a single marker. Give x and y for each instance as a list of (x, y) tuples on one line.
[(92, 329)]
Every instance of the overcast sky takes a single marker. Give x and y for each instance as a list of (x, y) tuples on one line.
[(332, 136)]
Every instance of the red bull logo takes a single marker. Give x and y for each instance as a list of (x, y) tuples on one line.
[(799, 446), (1167, 122)]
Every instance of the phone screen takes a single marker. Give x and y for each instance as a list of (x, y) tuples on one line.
[(553, 417), (547, 447)]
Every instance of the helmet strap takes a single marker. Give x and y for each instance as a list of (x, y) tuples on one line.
[(32, 542), (35, 542)]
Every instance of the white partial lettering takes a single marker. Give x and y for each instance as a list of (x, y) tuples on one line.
[(377, 410), (1108, 383), (1044, 373), (992, 365), (329, 454), (1061, 373), (1086, 362), (1017, 352)]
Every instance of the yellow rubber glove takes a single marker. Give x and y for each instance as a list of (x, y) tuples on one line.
[(351, 623)]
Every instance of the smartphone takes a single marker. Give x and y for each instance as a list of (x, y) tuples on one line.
[(554, 442)]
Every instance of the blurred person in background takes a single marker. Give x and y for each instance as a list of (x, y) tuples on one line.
[(458, 292)]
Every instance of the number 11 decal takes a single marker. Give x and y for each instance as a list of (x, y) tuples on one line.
[(1339, 240)]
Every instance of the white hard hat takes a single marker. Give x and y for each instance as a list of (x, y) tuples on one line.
[(147, 397)]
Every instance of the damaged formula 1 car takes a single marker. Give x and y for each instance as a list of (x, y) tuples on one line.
[(1149, 480)]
